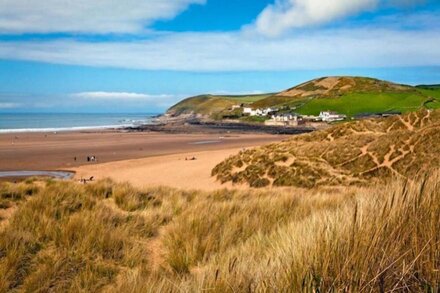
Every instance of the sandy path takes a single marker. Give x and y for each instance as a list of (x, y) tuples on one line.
[(167, 170)]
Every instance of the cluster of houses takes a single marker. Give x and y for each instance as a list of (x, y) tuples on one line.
[(259, 112), (284, 116), (331, 116), (280, 118)]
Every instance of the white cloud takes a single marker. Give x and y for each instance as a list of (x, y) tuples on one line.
[(119, 96), (324, 49), (284, 15), (8, 105), (86, 16)]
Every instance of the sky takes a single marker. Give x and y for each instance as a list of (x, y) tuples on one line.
[(142, 56)]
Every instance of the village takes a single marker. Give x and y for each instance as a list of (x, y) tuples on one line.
[(284, 117), (287, 117)]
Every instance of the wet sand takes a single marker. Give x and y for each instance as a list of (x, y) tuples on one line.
[(50, 151)]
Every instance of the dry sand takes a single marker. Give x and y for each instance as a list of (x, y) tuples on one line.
[(167, 170)]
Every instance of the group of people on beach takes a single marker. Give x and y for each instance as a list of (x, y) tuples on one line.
[(89, 159)]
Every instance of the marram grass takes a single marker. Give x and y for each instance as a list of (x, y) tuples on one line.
[(108, 237)]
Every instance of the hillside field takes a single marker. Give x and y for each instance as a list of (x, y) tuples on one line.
[(212, 104)]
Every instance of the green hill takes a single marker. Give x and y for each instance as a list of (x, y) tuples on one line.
[(350, 96), (346, 95), (212, 104), (351, 153)]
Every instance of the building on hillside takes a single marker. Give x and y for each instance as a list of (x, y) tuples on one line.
[(311, 118), (235, 107), (248, 111), (258, 112), (269, 111), (285, 120), (331, 116)]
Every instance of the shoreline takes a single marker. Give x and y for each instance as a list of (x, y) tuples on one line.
[(183, 125), (64, 129), (75, 122)]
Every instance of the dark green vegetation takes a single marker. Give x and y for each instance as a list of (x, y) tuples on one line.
[(345, 95), (429, 86), (346, 154), (108, 237)]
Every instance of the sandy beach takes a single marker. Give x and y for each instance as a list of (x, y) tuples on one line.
[(144, 159), (167, 170)]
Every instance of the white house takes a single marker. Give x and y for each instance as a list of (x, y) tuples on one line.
[(268, 111), (253, 112), (285, 120), (258, 112), (248, 111), (330, 116)]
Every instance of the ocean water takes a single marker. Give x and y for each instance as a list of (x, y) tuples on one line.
[(25, 122)]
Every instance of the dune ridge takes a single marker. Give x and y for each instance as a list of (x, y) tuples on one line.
[(354, 153)]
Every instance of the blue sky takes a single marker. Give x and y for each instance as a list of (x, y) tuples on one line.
[(144, 55)]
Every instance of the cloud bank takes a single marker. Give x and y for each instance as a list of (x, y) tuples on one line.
[(324, 49), (86, 16)]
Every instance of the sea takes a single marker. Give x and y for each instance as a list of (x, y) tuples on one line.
[(27, 122)]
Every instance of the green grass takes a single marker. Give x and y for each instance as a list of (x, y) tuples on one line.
[(278, 101), (212, 105), (433, 93), (356, 103), (246, 98), (254, 119)]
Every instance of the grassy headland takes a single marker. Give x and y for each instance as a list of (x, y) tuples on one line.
[(346, 95), (212, 105)]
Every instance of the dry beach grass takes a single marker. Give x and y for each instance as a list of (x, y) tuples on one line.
[(112, 237), (355, 153)]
